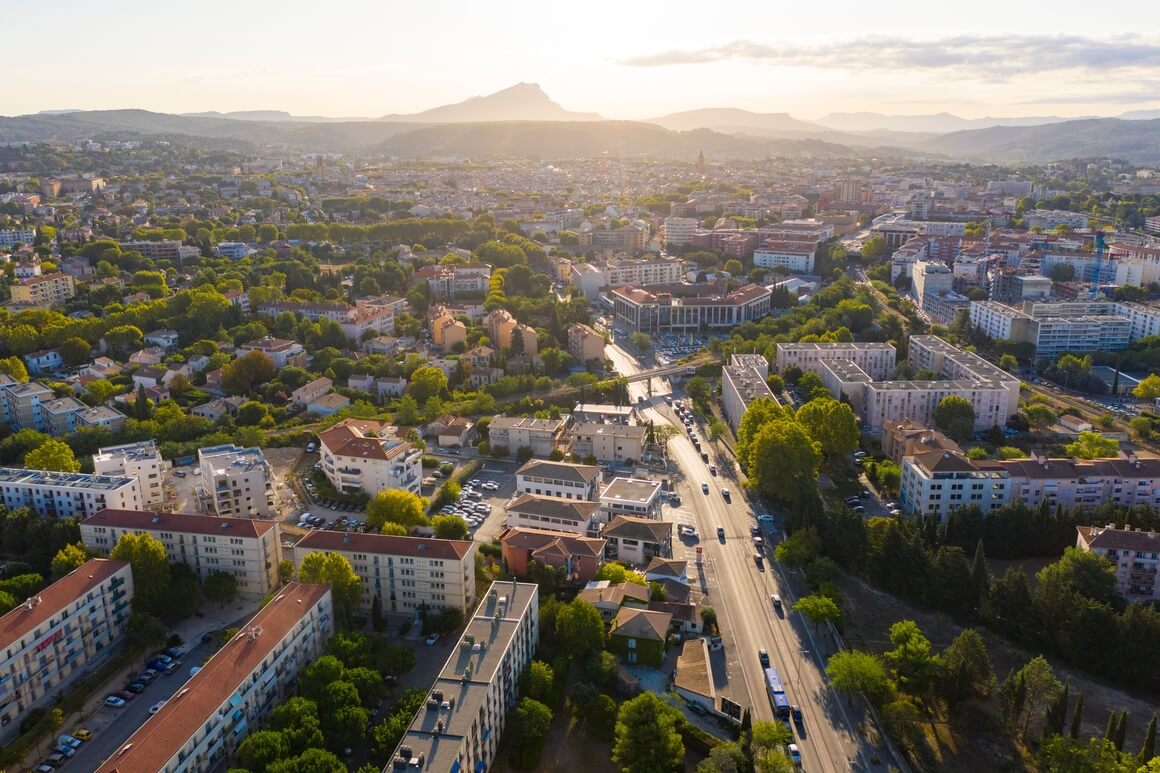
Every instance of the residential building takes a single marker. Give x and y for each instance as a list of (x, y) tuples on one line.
[(584, 343), (515, 432), (44, 292), (667, 570), (60, 415), (639, 636), (101, 416), (579, 557), (502, 328), (635, 497), (328, 405), (678, 231), (453, 281), (559, 479), (889, 401), (249, 550), (999, 321), (907, 437), (200, 728), (137, 460), (609, 442), (795, 256), (232, 250), (1048, 219), (693, 677), (281, 351), (166, 339), (602, 414), (532, 511), (608, 597), (642, 272), (43, 361), (167, 249), (1133, 553), (308, 393), (743, 380), (689, 307), (59, 635), (11, 237), (877, 359), (408, 574), (629, 238), (66, 494), (23, 403), (239, 481), (460, 727), (367, 455), (638, 540), (1125, 482), (936, 482)]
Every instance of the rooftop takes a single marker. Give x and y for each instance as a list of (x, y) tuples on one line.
[(540, 540), (641, 624), (30, 615), (644, 529), (693, 673), (578, 473), (634, 490), (386, 544), (71, 479), (524, 422), (187, 523), (1112, 538), (557, 507), (364, 438), (620, 430)]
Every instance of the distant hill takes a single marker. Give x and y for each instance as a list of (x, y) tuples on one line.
[(732, 120), (271, 115), (1137, 141), (521, 102), (938, 123)]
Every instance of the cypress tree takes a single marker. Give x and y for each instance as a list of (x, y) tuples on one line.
[(1061, 704), (1121, 731), (1077, 717), (980, 579), (1148, 750), (1110, 730)]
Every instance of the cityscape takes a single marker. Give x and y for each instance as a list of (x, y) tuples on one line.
[(531, 431)]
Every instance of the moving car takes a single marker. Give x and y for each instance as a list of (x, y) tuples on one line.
[(794, 754), (704, 488), (757, 559), (763, 658), (156, 707), (712, 469), (798, 719), (725, 493), (776, 599)]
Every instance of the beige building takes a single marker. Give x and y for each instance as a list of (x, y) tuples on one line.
[(502, 327), (609, 442), (281, 351), (369, 456), (515, 432), (1133, 553), (408, 574), (559, 479), (877, 359), (58, 635), (308, 393), (239, 480), (248, 549), (576, 516), (584, 343), (45, 291)]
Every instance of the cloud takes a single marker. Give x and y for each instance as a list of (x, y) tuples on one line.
[(993, 57)]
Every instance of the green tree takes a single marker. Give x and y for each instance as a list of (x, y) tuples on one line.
[(75, 351), (251, 413), (248, 371), (955, 416), (726, 757), (831, 423), (874, 249), (334, 569), (55, 455), (767, 742), (396, 506), (1041, 687), (967, 668), (648, 739), (449, 527), (819, 609), (150, 565), (782, 459), (70, 557), (221, 587), (315, 677), (1091, 445), (408, 413), (1078, 571), (579, 629), (539, 682), (427, 382), (262, 748), (310, 761), (698, 389), (912, 661), (1008, 363), (1076, 718), (1148, 749), (853, 672), (297, 720), (144, 632), (1039, 417), (15, 368), (1064, 755), (1148, 388), (531, 722), (642, 342)]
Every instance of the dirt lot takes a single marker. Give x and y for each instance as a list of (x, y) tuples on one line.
[(869, 615)]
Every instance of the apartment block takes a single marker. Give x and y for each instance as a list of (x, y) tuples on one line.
[(23, 403), (67, 494), (786, 255), (888, 401), (559, 479), (999, 321), (689, 307), (515, 432), (137, 460), (630, 238), (460, 726), (166, 249), (643, 272), (200, 728), (248, 549), (532, 511), (1126, 481), (46, 291), (369, 456), (60, 634), (609, 442), (502, 328), (584, 343), (10, 237), (679, 231), (638, 540), (877, 359), (743, 380), (408, 574), (239, 480), (1133, 553), (60, 415), (936, 482)]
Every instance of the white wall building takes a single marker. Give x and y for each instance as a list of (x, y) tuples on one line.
[(559, 479), (367, 455), (67, 494), (138, 460), (238, 480), (877, 359), (936, 482)]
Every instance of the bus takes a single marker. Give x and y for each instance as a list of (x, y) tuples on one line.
[(777, 695)]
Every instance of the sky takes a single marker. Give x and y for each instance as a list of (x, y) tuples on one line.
[(626, 60)]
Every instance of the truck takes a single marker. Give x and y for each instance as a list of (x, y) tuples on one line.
[(777, 696)]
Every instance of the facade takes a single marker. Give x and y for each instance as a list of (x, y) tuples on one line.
[(630, 238), (936, 482), (602, 413), (308, 393), (930, 277), (166, 249), (688, 308), (631, 496), (67, 494), (138, 460), (638, 540), (639, 635), (23, 403), (248, 549), (743, 380), (513, 432), (460, 727), (60, 634), (239, 480), (281, 351), (789, 255), (679, 230), (907, 438), (579, 557), (408, 574), (643, 272), (60, 415), (502, 327), (1133, 552), (11, 237), (559, 479), (877, 359), (367, 455), (531, 511), (455, 280), (200, 728), (45, 292), (609, 442), (584, 343), (1124, 482)]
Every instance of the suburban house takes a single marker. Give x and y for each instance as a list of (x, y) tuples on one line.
[(308, 393), (367, 455), (456, 434), (639, 635), (686, 617), (638, 540), (44, 361), (609, 597), (667, 569), (328, 405), (579, 557)]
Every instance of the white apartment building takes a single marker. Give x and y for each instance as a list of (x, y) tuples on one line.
[(11, 237), (877, 359), (1125, 481), (927, 352), (743, 380), (137, 460), (280, 350), (576, 516), (936, 482), (889, 401), (609, 442), (200, 728), (248, 549), (514, 432), (239, 481), (1134, 554), (1050, 218), (999, 321), (368, 455), (408, 574), (930, 278), (788, 256), (631, 496), (642, 273), (460, 727), (679, 230), (1143, 320), (559, 479), (67, 494), (58, 635), (802, 229)]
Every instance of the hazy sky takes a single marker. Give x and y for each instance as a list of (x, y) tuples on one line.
[(634, 59)]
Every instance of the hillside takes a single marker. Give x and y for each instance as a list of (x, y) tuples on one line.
[(521, 102), (731, 120), (1137, 141)]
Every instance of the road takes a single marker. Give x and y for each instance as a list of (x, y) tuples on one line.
[(740, 593)]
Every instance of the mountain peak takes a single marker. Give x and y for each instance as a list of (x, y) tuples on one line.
[(520, 102)]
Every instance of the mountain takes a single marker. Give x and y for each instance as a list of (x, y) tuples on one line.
[(938, 123), (731, 120), (1137, 141), (1140, 115), (521, 102), (271, 115)]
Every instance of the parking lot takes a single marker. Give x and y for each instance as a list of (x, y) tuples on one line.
[(494, 496)]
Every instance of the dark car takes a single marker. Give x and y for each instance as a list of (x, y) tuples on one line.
[(798, 719), (125, 695), (136, 687), (763, 657)]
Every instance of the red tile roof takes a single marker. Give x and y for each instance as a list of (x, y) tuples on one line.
[(386, 544), (21, 620), (183, 522)]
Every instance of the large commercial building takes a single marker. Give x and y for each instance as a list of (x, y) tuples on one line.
[(67, 494), (45, 291), (743, 380), (408, 574), (239, 480), (877, 359), (59, 634), (367, 455), (460, 725), (248, 549), (200, 728), (1133, 553), (688, 308), (138, 460), (559, 479)]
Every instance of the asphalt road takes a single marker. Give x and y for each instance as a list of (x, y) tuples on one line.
[(740, 593)]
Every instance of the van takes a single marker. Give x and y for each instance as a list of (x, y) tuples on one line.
[(776, 599), (716, 643)]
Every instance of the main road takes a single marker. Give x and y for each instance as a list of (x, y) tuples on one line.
[(741, 591)]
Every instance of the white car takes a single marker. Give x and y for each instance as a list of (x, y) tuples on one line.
[(156, 707)]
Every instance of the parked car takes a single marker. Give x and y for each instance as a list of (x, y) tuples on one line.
[(56, 759), (80, 734), (430, 640), (44, 768), (136, 687), (74, 740), (794, 754), (64, 750), (115, 701), (156, 707)]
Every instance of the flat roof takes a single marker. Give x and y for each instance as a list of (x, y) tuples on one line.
[(187, 523), (73, 479), (631, 490), (165, 733), (26, 617)]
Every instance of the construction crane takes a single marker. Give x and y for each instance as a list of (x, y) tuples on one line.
[(1099, 263)]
